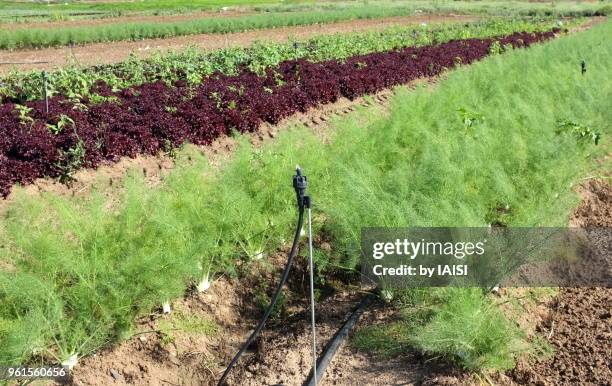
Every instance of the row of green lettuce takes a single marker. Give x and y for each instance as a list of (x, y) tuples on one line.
[(193, 65), (76, 272)]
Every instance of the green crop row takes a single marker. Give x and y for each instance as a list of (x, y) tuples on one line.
[(75, 272), (193, 65), (35, 11), (19, 11), (282, 16), (512, 8), (46, 37), (71, 6)]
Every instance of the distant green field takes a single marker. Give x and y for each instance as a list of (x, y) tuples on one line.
[(266, 14), (76, 5), (20, 10), (16, 38), (16, 10)]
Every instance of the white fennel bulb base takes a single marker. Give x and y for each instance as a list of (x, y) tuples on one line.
[(71, 361)]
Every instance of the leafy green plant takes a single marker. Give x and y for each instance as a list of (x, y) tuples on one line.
[(170, 149), (581, 132), (387, 340), (470, 118), (468, 329), (96, 98), (186, 323), (24, 112), (495, 48), (63, 123), (71, 161), (262, 300), (194, 65)]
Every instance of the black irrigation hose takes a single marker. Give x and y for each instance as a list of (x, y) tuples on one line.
[(299, 184), (334, 344)]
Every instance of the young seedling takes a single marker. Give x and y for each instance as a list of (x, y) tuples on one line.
[(64, 122), (387, 295), (23, 111), (71, 161), (495, 48)]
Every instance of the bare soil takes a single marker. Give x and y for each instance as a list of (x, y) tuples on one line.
[(579, 325), (157, 357), (284, 352), (113, 52), (595, 210), (351, 366)]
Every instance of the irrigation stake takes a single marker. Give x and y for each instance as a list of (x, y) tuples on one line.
[(44, 76), (307, 203), (295, 50)]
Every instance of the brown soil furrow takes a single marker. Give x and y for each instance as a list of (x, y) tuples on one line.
[(284, 353), (351, 366), (113, 52)]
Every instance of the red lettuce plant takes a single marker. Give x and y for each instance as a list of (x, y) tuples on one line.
[(152, 117)]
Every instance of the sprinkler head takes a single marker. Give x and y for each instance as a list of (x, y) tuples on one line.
[(300, 182)]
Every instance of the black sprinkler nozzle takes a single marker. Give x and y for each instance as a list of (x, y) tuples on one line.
[(300, 183)]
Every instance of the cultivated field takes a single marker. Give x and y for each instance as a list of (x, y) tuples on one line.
[(146, 157)]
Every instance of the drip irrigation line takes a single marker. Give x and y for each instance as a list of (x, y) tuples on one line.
[(299, 184), (275, 298), (333, 346)]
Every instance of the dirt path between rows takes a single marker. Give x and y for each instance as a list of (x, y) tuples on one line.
[(113, 52), (287, 356)]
